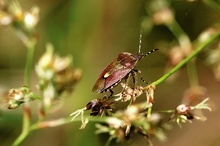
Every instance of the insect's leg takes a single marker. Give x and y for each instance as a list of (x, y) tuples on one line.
[(141, 77), (111, 93), (134, 76), (127, 78)]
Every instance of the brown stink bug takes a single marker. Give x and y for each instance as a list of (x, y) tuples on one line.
[(120, 68)]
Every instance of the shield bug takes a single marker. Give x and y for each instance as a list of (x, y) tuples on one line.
[(121, 68)]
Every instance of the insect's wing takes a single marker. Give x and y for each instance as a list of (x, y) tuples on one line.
[(109, 71), (116, 77), (99, 85), (114, 66)]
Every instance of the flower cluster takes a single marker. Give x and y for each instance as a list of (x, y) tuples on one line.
[(129, 94), (24, 22), (18, 96), (5, 17), (137, 117), (100, 106), (105, 105), (133, 120), (57, 77), (184, 112), (214, 61)]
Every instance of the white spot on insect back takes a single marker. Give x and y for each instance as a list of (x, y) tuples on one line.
[(106, 75)]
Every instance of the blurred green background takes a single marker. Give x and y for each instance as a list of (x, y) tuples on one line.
[(94, 32)]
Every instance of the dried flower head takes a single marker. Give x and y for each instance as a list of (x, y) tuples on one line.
[(195, 95), (100, 106), (129, 93), (57, 77), (163, 16), (184, 112), (19, 96), (115, 133), (115, 128), (133, 120), (150, 95), (213, 59), (24, 22), (207, 34), (31, 18), (161, 12), (175, 55), (5, 18), (2, 4)]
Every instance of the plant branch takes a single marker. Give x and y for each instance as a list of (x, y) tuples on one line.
[(180, 35), (26, 108), (30, 54), (192, 73), (188, 58), (185, 43), (63, 121)]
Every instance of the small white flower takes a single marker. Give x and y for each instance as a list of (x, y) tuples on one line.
[(5, 19), (31, 18), (115, 122), (183, 108)]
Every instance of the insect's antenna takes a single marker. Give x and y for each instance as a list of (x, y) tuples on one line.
[(151, 52), (140, 42)]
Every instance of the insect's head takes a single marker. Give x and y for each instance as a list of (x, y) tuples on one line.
[(141, 55)]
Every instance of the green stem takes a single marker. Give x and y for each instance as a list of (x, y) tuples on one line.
[(188, 58), (178, 32), (20, 139), (63, 121), (25, 126), (214, 5), (53, 123), (30, 54), (26, 108), (109, 141), (184, 42), (192, 73), (149, 112)]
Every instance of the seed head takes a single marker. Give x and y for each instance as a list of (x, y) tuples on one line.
[(100, 107)]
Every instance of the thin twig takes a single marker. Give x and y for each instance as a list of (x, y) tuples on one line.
[(187, 59)]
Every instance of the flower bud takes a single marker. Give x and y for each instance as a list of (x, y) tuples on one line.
[(19, 96)]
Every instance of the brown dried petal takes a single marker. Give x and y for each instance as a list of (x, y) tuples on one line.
[(99, 106)]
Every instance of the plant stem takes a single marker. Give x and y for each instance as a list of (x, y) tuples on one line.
[(25, 126), (213, 4), (192, 73), (178, 32), (53, 123), (184, 42), (26, 108), (30, 54), (188, 58), (149, 112), (63, 121)]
